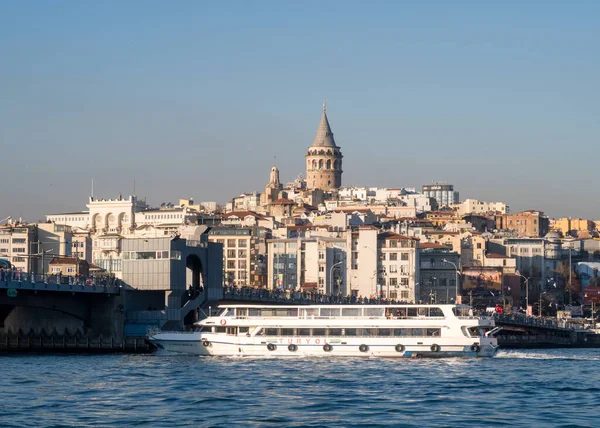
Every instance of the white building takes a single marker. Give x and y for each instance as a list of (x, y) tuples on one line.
[(473, 206), (308, 264)]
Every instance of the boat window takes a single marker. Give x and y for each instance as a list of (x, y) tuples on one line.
[(232, 330), (417, 332), (198, 329), (383, 332), (286, 312), (374, 312), (411, 312), (423, 312), (271, 331), (350, 332), (241, 312), (287, 331), (253, 312), (335, 332), (330, 312), (304, 332), (351, 312), (368, 331), (243, 330), (436, 312), (267, 312), (224, 312), (473, 331), (318, 332), (400, 313), (309, 312), (400, 332), (219, 329), (433, 331)]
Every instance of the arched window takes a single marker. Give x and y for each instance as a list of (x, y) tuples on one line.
[(321, 164), (329, 164), (314, 164), (335, 164)]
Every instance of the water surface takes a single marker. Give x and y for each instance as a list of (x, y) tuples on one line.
[(518, 388)]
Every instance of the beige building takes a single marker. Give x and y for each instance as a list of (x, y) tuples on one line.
[(324, 159), (398, 266), (244, 254)]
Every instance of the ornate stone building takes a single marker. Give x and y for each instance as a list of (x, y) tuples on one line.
[(324, 159)]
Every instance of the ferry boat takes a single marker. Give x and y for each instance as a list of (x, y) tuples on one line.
[(337, 330)]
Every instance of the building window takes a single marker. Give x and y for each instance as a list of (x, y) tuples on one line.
[(18, 250), (403, 256), (393, 243), (231, 242), (231, 264), (404, 295), (393, 281), (321, 268), (242, 243), (479, 246), (393, 256), (393, 269), (230, 254), (242, 254), (403, 281)]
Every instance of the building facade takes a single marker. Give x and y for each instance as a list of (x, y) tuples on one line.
[(443, 193), (244, 254)]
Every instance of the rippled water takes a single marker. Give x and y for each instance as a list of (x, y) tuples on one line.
[(518, 388)]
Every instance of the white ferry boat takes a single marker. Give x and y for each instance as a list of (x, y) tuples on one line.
[(337, 330)]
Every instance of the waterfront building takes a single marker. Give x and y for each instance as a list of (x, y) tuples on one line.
[(168, 278), (437, 277), (316, 264), (442, 192), (398, 267), (244, 254), (30, 247), (68, 266), (324, 159)]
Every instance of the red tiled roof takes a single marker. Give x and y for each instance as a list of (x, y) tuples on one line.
[(392, 235), (432, 245)]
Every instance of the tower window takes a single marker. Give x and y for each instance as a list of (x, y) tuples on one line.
[(329, 164)]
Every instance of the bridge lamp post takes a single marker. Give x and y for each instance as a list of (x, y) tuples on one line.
[(541, 294), (456, 276), (331, 273), (526, 291), (376, 264)]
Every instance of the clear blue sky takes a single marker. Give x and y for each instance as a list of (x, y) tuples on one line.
[(193, 99)]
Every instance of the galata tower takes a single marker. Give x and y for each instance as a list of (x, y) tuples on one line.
[(324, 159)]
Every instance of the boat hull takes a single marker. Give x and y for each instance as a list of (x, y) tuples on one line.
[(293, 347)]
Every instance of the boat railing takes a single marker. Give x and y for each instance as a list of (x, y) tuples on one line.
[(310, 317)]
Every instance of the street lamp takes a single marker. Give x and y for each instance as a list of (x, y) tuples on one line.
[(526, 291), (331, 273), (456, 276), (541, 294)]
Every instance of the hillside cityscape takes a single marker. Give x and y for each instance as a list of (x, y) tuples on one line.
[(315, 235)]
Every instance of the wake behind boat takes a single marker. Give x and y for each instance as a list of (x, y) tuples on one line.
[(337, 330)]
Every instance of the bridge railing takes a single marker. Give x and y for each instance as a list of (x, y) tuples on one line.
[(16, 276), (523, 320)]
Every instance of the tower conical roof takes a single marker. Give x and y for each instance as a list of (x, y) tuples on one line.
[(324, 137)]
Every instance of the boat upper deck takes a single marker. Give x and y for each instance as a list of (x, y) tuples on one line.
[(348, 312)]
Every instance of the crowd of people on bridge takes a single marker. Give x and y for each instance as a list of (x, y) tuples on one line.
[(288, 295), (17, 275)]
